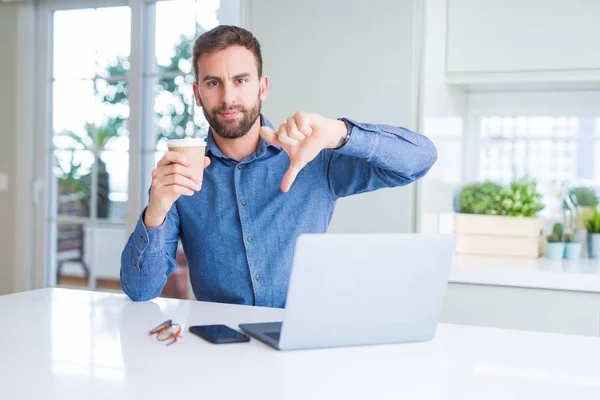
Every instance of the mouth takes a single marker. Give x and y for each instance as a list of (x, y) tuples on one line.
[(229, 114)]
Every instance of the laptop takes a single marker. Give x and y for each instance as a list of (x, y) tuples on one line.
[(361, 289)]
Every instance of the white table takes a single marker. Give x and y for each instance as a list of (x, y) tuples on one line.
[(66, 344)]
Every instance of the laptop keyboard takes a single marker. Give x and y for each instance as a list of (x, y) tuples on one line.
[(273, 335)]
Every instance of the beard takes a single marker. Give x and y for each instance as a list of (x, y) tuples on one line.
[(232, 129)]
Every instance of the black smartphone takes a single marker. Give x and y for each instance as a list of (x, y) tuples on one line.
[(219, 334)]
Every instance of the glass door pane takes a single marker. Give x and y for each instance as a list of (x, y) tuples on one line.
[(90, 144)]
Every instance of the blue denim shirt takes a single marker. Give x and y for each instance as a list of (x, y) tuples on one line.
[(239, 231)]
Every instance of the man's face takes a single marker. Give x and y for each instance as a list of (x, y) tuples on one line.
[(230, 91)]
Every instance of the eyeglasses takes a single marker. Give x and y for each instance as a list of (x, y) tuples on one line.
[(167, 331)]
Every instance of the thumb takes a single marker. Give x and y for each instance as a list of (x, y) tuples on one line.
[(269, 135), (290, 177)]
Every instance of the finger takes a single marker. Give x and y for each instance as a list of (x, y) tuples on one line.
[(180, 190), (206, 162), (283, 137), (269, 135), (303, 122), (178, 180), (171, 157), (175, 169), (292, 130), (290, 177)]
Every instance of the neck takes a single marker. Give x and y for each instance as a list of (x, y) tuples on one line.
[(242, 147)]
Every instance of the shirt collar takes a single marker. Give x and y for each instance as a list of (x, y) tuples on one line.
[(263, 146)]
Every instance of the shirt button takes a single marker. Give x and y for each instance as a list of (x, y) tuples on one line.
[(142, 239), (134, 266), (257, 277), (249, 238), (239, 166), (243, 202)]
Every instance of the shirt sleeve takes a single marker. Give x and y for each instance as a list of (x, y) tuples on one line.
[(378, 156), (149, 257)]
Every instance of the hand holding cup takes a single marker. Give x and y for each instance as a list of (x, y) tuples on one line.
[(179, 173)]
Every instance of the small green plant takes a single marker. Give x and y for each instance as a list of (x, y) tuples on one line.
[(558, 229), (519, 199), (553, 238), (569, 237), (479, 198), (592, 223), (557, 234)]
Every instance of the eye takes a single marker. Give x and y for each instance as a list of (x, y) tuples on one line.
[(241, 80), (212, 83)]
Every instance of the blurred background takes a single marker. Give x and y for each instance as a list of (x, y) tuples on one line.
[(90, 90)]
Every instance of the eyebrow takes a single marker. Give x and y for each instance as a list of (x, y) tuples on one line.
[(216, 78)]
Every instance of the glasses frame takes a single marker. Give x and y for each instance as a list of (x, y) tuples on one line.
[(164, 328)]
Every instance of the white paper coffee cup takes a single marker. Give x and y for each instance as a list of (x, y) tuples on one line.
[(194, 149)]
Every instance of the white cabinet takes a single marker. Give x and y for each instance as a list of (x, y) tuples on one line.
[(543, 310), (512, 41)]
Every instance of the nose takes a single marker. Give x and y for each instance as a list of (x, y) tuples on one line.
[(229, 94)]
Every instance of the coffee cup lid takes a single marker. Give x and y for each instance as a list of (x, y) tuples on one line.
[(186, 142)]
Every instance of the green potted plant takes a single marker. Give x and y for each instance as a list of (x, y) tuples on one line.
[(72, 181), (499, 220), (592, 226), (479, 198), (519, 199), (572, 246), (555, 247)]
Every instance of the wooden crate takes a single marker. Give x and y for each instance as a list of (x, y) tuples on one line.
[(493, 235)]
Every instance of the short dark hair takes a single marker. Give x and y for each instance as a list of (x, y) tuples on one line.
[(222, 37)]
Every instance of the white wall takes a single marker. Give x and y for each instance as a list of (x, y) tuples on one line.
[(7, 132), (16, 152), (345, 58), (444, 110)]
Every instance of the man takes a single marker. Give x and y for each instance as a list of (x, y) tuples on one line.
[(261, 188)]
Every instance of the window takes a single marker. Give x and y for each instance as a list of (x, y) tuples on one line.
[(553, 150), (90, 141), (90, 110), (170, 75), (97, 57)]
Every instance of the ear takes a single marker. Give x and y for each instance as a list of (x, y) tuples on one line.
[(197, 95), (264, 87)]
